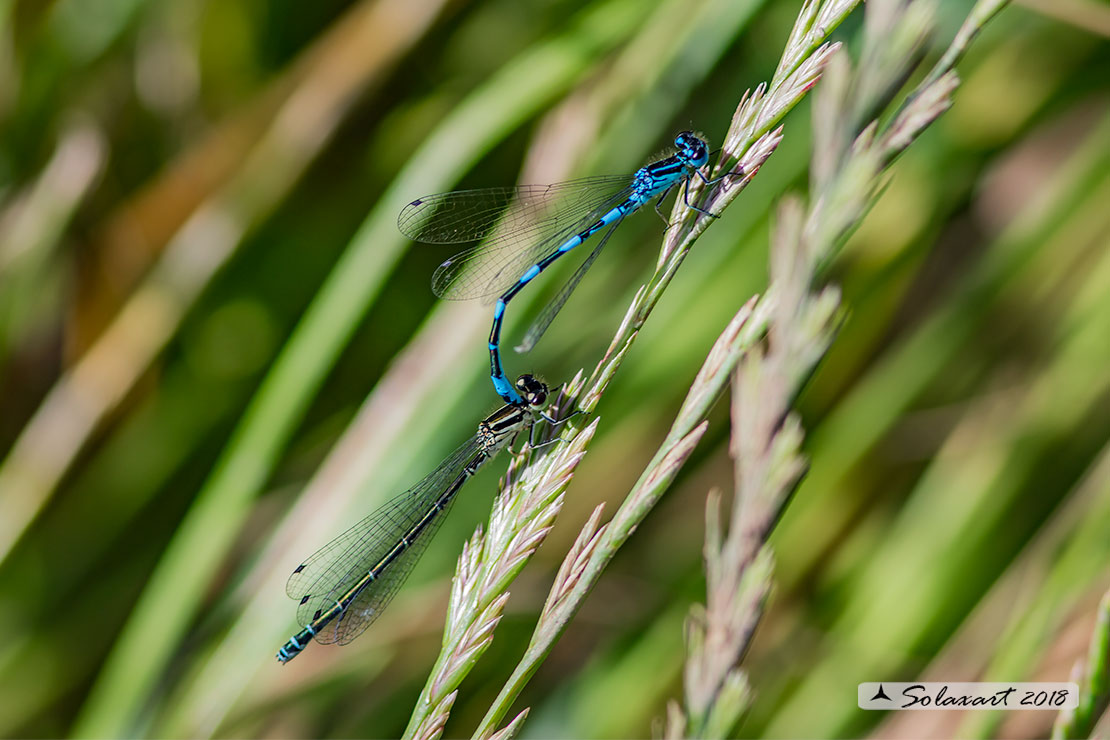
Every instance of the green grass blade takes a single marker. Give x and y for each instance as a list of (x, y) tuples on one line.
[(173, 595)]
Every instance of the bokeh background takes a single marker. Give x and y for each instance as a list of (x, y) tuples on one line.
[(216, 352)]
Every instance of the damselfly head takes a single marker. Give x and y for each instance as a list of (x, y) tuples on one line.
[(532, 390), (691, 149)]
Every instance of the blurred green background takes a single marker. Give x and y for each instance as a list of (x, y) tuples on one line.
[(216, 352)]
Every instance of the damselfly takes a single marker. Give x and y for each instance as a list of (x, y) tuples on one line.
[(530, 227), (347, 584)]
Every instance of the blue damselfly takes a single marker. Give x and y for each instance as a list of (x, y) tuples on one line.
[(525, 229), (347, 584)]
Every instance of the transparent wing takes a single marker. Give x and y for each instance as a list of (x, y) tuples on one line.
[(518, 225), (332, 571), (471, 215), (373, 599), (551, 310)]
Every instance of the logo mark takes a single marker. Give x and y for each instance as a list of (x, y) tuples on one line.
[(880, 694)]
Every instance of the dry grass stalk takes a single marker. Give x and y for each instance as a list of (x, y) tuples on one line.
[(751, 139), (850, 157)]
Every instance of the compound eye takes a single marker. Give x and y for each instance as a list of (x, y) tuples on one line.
[(532, 389)]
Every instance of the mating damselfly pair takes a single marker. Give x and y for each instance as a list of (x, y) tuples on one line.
[(346, 585)]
